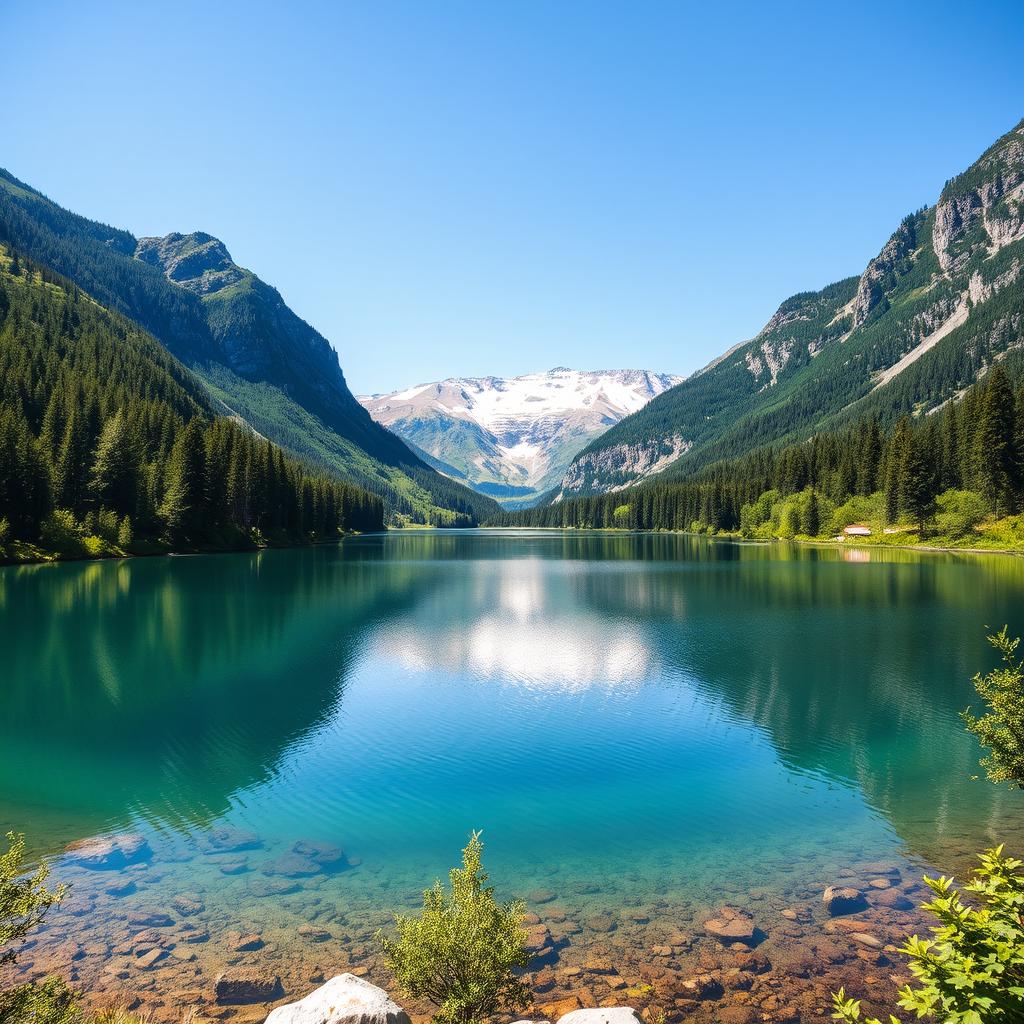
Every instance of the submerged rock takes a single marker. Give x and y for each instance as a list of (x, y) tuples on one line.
[(239, 943), (729, 926), (121, 888), (187, 904), (109, 853), (229, 840), (293, 865), (344, 999), (236, 986), (150, 917), (273, 887), (843, 899), (326, 855), (703, 986)]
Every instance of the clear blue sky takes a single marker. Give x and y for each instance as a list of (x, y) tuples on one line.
[(449, 188)]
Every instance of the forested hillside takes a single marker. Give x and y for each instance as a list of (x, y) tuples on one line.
[(940, 302), (109, 445), (259, 359), (956, 476)]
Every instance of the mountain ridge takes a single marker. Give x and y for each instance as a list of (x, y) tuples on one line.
[(937, 305), (256, 356), (513, 437)]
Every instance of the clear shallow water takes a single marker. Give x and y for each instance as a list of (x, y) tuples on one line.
[(655, 722)]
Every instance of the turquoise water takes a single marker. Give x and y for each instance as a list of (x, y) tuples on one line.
[(634, 721)]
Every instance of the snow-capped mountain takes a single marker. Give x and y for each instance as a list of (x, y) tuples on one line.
[(513, 437)]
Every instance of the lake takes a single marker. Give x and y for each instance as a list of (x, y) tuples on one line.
[(645, 727)]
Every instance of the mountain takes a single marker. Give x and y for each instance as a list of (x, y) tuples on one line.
[(258, 359), (109, 445), (929, 314), (513, 437)]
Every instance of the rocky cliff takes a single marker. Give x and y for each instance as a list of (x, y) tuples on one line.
[(928, 315)]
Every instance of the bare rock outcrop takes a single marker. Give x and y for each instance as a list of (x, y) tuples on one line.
[(344, 999)]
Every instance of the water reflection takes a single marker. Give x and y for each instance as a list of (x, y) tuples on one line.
[(165, 688), (160, 687)]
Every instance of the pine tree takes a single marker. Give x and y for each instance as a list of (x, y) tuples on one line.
[(812, 516), (113, 479), (994, 455), (184, 500), (918, 491)]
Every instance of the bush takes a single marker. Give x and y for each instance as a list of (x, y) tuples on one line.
[(462, 950), (125, 535), (959, 512), (972, 972), (107, 525), (1001, 729), (61, 532), (858, 509), (24, 902)]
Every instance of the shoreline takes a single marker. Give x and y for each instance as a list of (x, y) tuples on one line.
[(47, 558), (735, 538), (767, 955)]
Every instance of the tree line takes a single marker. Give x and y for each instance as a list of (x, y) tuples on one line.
[(107, 443), (945, 472)]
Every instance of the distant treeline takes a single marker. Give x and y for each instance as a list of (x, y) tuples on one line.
[(946, 472), (108, 444)]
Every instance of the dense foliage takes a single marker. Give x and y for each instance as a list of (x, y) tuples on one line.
[(255, 355), (1001, 729), (972, 971), (463, 949), (24, 902), (943, 474), (108, 444)]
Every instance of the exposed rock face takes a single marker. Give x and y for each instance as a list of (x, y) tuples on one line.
[(634, 462), (344, 999), (198, 262), (773, 357), (911, 315), (844, 900), (880, 274), (983, 208)]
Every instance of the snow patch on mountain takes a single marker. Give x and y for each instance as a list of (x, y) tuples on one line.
[(514, 437)]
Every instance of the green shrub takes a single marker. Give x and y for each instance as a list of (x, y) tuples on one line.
[(24, 899), (107, 525), (125, 536), (858, 509), (959, 512), (61, 532), (462, 951), (1001, 729), (972, 972), (24, 902)]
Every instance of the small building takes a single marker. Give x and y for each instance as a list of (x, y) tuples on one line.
[(857, 530)]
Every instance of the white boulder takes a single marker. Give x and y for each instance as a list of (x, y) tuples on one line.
[(602, 1015), (344, 999)]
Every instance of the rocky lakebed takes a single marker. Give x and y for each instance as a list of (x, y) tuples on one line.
[(265, 924)]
